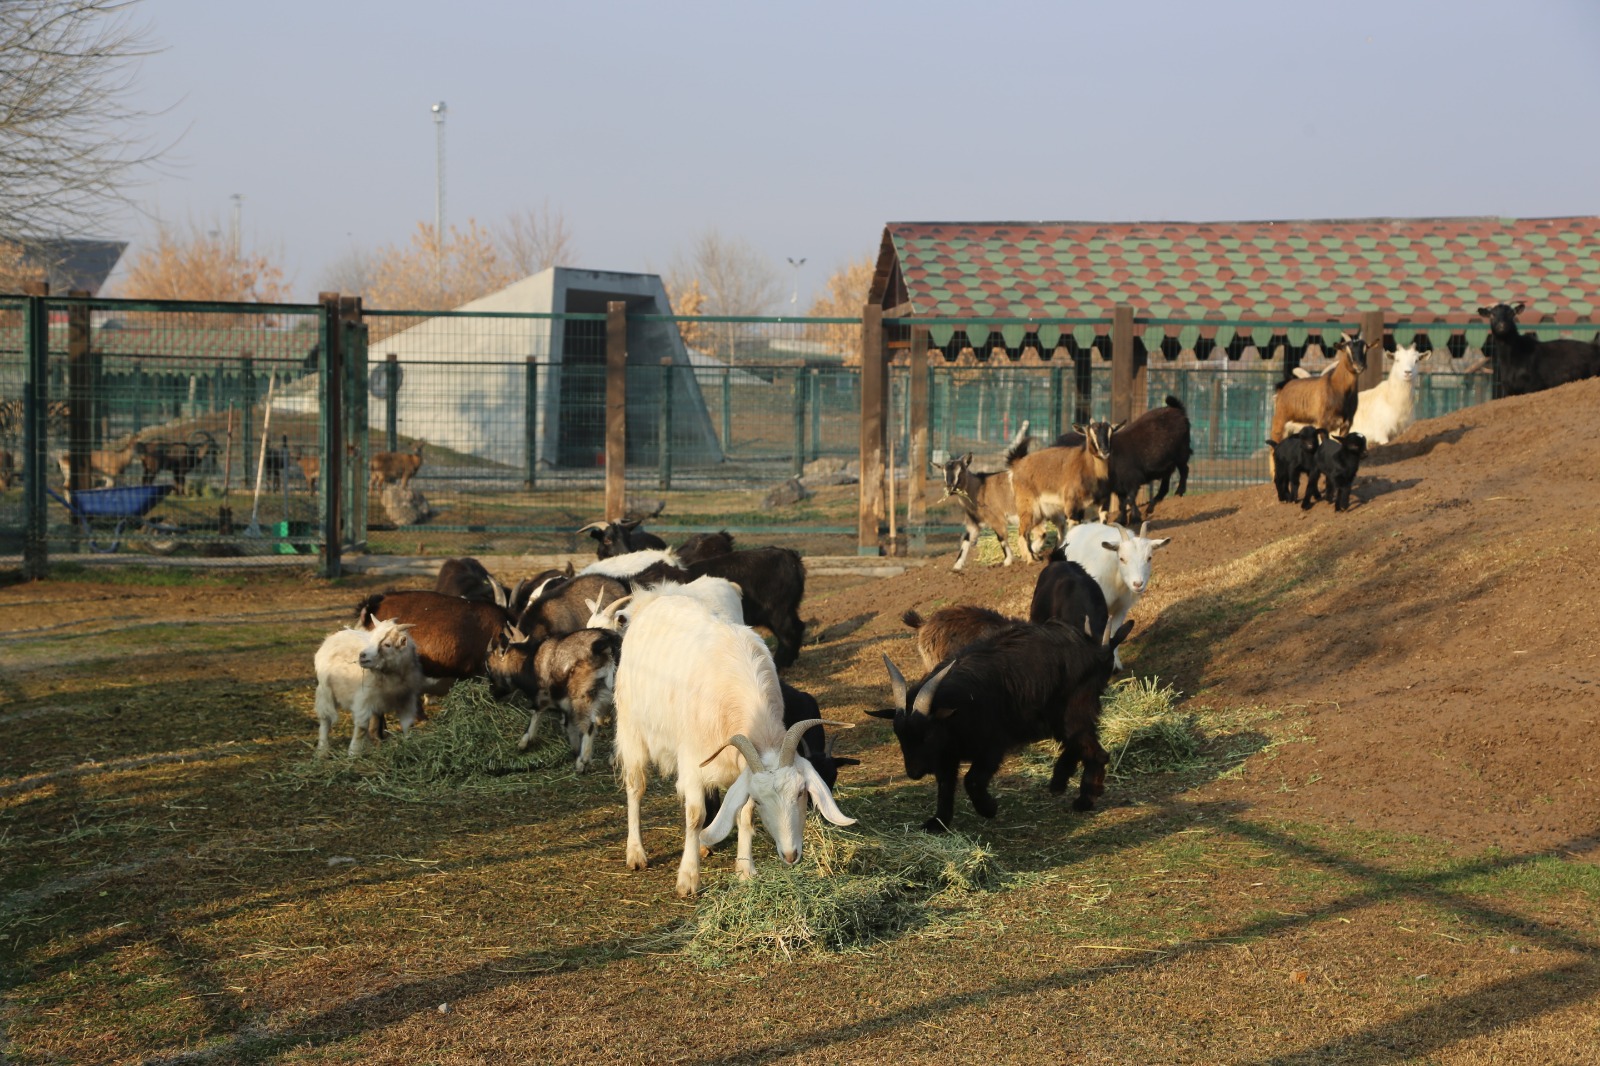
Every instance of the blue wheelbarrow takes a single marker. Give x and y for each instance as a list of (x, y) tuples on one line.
[(95, 509)]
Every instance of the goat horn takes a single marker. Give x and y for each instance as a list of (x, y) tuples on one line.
[(1144, 527), (791, 739), (924, 702), (897, 682), (594, 525), (752, 757)]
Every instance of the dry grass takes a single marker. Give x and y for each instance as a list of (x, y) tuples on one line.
[(469, 744), (850, 891)]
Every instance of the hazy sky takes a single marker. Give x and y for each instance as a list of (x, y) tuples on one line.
[(802, 128)]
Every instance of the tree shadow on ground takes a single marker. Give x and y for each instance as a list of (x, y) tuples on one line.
[(1399, 451)]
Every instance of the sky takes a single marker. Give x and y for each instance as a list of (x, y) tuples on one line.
[(802, 128)]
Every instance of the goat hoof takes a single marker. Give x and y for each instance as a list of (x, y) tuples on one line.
[(934, 825), (688, 885), (1083, 803)]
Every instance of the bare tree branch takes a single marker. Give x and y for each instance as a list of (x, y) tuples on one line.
[(69, 150), (537, 240)]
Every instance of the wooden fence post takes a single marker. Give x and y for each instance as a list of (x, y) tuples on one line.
[(36, 430), (1372, 333), (81, 396), (332, 434), (917, 444), (664, 426), (616, 408), (874, 376), (530, 423), (1127, 367)]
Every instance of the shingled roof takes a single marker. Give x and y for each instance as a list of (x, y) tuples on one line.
[(1413, 269)]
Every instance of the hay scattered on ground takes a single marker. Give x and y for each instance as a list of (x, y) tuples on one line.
[(1142, 731), (849, 891), (469, 742)]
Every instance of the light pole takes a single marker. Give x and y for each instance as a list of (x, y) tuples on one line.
[(794, 297), (438, 196), (238, 213)]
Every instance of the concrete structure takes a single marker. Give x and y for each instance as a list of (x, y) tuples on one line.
[(464, 378)]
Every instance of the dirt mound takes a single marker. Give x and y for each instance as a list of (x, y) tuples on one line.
[(1438, 640)]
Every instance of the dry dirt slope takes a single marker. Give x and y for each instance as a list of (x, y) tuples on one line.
[(1438, 640)]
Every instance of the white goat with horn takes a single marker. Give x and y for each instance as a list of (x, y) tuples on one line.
[(698, 696)]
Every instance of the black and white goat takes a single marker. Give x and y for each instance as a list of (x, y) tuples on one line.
[(621, 538), (573, 675), (986, 499), (1524, 363), (698, 697), (772, 584), (1024, 684)]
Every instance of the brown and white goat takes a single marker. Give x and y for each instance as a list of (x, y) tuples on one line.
[(572, 675), (394, 466), (107, 463), (1059, 484), (986, 499), (1327, 402)]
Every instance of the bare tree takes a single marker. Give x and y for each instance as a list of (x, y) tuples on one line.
[(69, 148), (197, 262), (537, 240), (351, 273), (848, 289), (735, 278)]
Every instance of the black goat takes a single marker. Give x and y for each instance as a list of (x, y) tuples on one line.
[(179, 457), (1066, 593), (1338, 459), (815, 745), (1146, 449), (1525, 364), (621, 538), (563, 606), (1293, 456), (700, 546), (772, 582), (469, 579), (1027, 683)]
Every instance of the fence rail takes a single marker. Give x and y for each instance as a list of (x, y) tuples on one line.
[(274, 427)]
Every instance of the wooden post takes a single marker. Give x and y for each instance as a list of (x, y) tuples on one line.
[(35, 430), (1127, 368), (391, 401), (616, 408), (332, 433), (797, 465), (917, 445), (814, 402), (873, 379), (530, 423), (664, 425), (1372, 333), (1058, 393), (80, 396)]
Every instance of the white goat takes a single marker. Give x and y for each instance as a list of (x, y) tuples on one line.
[(370, 673), (694, 693), (724, 597), (1118, 561), (1386, 409)]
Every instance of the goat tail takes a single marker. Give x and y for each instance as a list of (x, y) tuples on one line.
[(1018, 450), (912, 619), (367, 610), (1173, 401)]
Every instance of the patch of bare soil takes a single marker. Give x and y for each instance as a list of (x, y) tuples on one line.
[(1438, 640)]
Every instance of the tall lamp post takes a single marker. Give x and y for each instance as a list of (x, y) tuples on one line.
[(794, 297), (438, 196)]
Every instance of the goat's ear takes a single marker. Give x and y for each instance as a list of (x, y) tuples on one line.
[(1116, 427), (1517, 307), (821, 795), (885, 712), (1110, 547), (1484, 311), (722, 825), (1162, 543), (966, 460), (1121, 634)]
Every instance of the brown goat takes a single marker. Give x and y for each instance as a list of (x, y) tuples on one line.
[(1327, 402), (949, 629), (452, 634), (310, 465), (108, 463), (1058, 484), (8, 469), (179, 457), (395, 466)]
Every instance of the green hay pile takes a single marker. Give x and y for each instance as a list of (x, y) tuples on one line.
[(1142, 731), (848, 891), (469, 742)]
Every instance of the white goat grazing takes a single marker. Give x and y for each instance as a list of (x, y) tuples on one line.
[(694, 694), (370, 673), (724, 597), (1386, 409), (1118, 561)]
